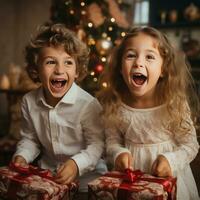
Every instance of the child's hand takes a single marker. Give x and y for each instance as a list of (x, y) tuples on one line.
[(67, 172), (19, 160), (161, 167), (123, 161)]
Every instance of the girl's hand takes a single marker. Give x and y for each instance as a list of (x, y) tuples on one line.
[(123, 161), (161, 167), (20, 161), (67, 172)]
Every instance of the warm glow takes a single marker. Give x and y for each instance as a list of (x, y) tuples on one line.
[(83, 12), (123, 34), (112, 19), (82, 3), (92, 73), (104, 84), (104, 35), (90, 24), (110, 28), (103, 59), (71, 12)]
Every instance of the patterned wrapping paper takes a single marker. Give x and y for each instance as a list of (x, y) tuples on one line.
[(32, 184), (132, 185)]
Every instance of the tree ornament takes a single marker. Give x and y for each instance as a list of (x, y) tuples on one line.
[(117, 14), (81, 34), (4, 82), (99, 68), (103, 46), (95, 14)]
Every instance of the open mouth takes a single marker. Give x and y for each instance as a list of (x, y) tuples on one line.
[(58, 83), (139, 79)]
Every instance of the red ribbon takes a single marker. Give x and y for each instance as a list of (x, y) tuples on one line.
[(31, 170), (130, 176)]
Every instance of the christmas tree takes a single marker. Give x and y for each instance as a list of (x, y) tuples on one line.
[(100, 24)]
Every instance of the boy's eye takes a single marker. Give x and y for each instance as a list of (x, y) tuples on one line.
[(131, 55), (50, 62)]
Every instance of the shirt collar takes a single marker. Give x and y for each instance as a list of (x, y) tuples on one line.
[(69, 98)]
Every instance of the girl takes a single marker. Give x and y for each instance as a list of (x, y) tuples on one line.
[(147, 107), (60, 121)]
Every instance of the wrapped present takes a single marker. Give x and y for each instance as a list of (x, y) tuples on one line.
[(32, 183), (132, 185)]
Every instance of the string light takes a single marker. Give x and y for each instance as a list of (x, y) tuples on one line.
[(71, 12), (82, 3), (112, 19), (83, 12), (110, 28), (104, 35), (123, 34), (92, 73), (95, 79), (103, 59), (91, 41), (104, 84), (90, 24)]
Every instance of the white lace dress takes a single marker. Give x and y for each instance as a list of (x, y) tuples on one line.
[(145, 134)]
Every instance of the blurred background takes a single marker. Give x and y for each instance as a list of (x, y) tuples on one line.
[(100, 24)]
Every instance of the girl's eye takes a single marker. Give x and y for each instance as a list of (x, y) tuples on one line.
[(151, 57), (68, 62)]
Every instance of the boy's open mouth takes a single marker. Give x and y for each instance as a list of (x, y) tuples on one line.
[(58, 83), (139, 78)]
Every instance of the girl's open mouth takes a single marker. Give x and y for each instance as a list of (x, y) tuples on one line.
[(139, 79)]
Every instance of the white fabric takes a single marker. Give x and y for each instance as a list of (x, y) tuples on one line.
[(145, 134), (71, 129)]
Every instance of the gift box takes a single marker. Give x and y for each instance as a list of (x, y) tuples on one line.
[(132, 185), (31, 183)]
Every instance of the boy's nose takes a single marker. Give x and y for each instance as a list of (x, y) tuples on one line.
[(59, 69)]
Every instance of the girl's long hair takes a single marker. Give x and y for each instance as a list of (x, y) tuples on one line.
[(175, 88)]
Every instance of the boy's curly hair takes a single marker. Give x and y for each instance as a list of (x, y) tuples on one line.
[(55, 35)]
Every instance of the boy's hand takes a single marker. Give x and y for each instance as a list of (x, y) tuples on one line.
[(123, 161), (161, 167), (19, 160), (67, 172)]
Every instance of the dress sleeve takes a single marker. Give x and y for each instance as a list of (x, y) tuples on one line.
[(186, 148), (28, 146), (94, 137), (114, 143)]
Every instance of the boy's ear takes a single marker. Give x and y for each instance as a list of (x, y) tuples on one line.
[(34, 74), (76, 75)]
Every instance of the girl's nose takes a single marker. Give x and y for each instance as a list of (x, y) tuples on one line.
[(138, 62)]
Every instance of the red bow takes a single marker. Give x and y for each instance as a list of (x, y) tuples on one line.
[(131, 176), (31, 170), (128, 175)]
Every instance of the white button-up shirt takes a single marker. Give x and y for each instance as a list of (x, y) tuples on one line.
[(71, 129)]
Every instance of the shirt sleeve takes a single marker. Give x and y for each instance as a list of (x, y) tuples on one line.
[(114, 144), (186, 148), (93, 130), (28, 146)]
